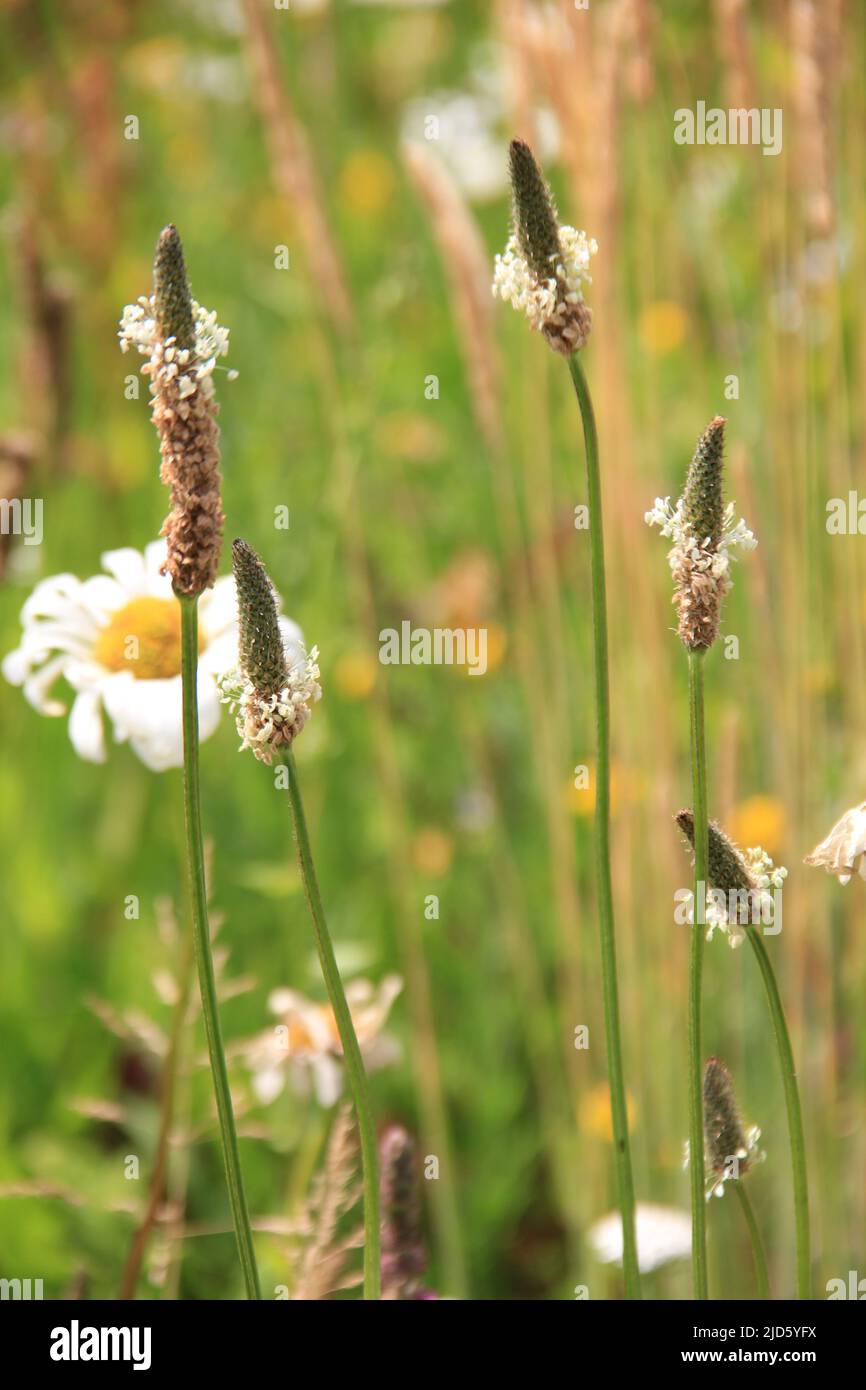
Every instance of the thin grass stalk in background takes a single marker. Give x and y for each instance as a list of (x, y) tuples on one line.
[(795, 1114), (758, 1254), (696, 947), (168, 1086), (348, 1038), (201, 938), (619, 1114), (427, 1066)]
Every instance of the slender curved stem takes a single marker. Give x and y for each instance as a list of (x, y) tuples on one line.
[(351, 1051), (201, 938), (795, 1114), (758, 1255), (696, 954), (619, 1113)]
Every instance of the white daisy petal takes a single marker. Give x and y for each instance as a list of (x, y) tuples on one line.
[(85, 727), (268, 1083), (37, 686), (127, 567), (327, 1079), (218, 608)]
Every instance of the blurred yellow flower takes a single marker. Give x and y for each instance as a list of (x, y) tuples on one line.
[(354, 674), (662, 327), (593, 1112), (409, 435), (579, 790), (818, 678), (155, 63), (759, 820), (432, 851), (497, 643), (366, 183)]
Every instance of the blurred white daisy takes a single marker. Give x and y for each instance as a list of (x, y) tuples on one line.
[(115, 639), (662, 1233), (843, 851), (304, 1046)]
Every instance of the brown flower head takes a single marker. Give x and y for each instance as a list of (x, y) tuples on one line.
[(703, 533), (182, 343)]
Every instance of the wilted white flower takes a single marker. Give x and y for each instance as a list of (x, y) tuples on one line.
[(663, 1234), (304, 1045), (843, 851), (115, 639)]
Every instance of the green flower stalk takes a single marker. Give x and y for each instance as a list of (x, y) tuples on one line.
[(703, 533), (732, 874), (273, 693), (181, 343), (542, 273)]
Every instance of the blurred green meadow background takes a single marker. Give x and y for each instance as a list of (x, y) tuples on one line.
[(428, 449)]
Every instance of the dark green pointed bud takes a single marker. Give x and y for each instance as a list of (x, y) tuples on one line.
[(535, 218), (260, 643), (723, 1132), (726, 869), (171, 291), (703, 508)]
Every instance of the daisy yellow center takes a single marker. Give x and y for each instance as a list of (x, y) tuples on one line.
[(300, 1038), (143, 637)]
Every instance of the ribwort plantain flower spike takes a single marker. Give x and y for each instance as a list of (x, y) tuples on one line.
[(260, 643), (703, 532), (182, 342), (544, 266), (277, 682), (730, 1150), (404, 1258), (739, 881), (171, 293)]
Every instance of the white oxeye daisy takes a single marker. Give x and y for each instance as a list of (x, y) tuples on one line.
[(115, 639), (843, 851), (304, 1045), (663, 1234)]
